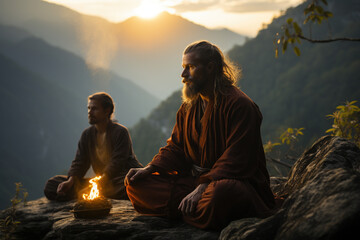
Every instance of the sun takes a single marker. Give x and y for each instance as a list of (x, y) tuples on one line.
[(149, 9)]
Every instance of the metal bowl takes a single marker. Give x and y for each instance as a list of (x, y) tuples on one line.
[(91, 213)]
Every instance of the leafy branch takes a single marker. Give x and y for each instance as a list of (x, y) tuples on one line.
[(346, 122), (289, 138), (293, 34), (9, 224)]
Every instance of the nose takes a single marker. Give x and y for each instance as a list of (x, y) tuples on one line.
[(185, 73)]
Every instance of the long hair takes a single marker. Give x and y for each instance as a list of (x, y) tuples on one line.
[(105, 100), (226, 73)]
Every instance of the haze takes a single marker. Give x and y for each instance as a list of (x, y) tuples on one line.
[(242, 16)]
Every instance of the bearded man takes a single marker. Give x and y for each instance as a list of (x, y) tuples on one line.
[(106, 146), (213, 168)]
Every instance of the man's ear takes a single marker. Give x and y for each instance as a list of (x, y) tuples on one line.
[(107, 111)]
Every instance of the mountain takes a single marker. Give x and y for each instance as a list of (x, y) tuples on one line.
[(291, 91), (73, 74), (146, 51), (43, 98), (40, 126), (151, 133), (156, 46), (300, 91)]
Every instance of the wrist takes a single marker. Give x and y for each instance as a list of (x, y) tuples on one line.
[(201, 187), (72, 180), (150, 168)]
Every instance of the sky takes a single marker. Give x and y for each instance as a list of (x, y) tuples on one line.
[(241, 16)]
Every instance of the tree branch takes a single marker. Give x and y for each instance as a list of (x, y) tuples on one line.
[(279, 162), (328, 40)]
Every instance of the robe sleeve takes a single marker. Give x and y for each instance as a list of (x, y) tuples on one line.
[(172, 156), (81, 163), (121, 153), (243, 149)]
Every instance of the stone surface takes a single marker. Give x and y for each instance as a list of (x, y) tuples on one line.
[(43, 219), (322, 201), (322, 198)]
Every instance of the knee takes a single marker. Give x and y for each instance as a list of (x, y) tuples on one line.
[(220, 191), (226, 190), (51, 185)]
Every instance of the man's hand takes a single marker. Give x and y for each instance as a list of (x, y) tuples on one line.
[(189, 203), (65, 187), (135, 174)]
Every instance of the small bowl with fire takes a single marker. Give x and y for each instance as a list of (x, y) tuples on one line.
[(92, 205)]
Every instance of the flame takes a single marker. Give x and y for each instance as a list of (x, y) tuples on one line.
[(94, 192)]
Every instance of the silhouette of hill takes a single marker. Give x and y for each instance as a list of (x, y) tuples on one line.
[(40, 123), (300, 91), (291, 91), (153, 45), (73, 74)]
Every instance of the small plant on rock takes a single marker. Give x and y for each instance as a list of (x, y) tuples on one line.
[(346, 122), (9, 224)]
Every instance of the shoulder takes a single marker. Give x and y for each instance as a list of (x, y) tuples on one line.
[(88, 132), (117, 127), (234, 96), (236, 100)]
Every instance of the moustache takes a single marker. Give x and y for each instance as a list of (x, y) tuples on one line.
[(185, 81)]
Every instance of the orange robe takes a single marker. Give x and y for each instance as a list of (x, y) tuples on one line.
[(225, 139)]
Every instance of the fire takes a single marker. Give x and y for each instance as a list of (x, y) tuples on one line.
[(94, 192)]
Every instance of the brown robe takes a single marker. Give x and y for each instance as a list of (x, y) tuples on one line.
[(228, 142), (119, 156)]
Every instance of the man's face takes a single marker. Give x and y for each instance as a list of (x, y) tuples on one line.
[(195, 75), (96, 113)]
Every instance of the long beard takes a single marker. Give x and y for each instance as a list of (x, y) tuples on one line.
[(190, 93)]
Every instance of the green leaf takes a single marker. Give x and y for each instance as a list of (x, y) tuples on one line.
[(297, 28), (287, 33), (328, 14), (284, 46), (289, 20), (297, 51), (330, 130), (319, 9)]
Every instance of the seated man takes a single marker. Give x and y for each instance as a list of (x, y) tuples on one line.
[(106, 146), (213, 168)]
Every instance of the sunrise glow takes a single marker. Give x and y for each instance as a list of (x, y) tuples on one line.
[(149, 9)]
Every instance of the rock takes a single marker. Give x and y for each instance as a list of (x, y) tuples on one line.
[(322, 198), (322, 201), (44, 219)]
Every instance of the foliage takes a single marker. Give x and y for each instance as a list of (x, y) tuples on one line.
[(150, 134), (289, 139), (269, 146), (9, 224), (292, 32), (290, 136), (346, 122)]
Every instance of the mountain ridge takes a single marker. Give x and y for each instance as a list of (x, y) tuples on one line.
[(115, 45), (43, 99), (291, 91)]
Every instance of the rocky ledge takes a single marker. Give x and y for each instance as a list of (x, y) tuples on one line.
[(322, 201), (44, 219)]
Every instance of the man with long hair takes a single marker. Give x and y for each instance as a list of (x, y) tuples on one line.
[(106, 146), (213, 168)]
